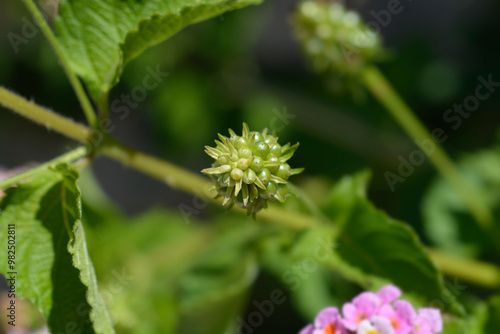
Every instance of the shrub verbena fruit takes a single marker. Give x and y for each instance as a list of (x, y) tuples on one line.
[(251, 169), (336, 40)]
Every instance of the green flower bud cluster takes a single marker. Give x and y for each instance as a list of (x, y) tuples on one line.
[(335, 39), (251, 169)]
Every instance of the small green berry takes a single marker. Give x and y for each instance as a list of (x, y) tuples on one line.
[(276, 150), (237, 174), (240, 142), (265, 176), (243, 164), (249, 176), (273, 163), (258, 137), (257, 164), (284, 171), (261, 149), (245, 153), (271, 189)]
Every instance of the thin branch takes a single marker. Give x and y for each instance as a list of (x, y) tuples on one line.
[(73, 79)]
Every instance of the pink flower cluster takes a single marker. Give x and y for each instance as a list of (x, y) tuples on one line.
[(377, 313)]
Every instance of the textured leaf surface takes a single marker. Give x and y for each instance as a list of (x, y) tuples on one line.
[(53, 271), (100, 37), (378, 245)]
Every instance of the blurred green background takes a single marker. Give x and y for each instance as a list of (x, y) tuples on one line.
[(245, 65)]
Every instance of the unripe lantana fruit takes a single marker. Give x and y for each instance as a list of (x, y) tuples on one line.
[(336, 40), (251, 169)]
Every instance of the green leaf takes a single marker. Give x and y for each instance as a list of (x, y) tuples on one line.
[(54, 271), (310, 285), (378, 245), (215, 292), (493, 317), (101, 36), (447, 221), (214, 295), (345, 194), (140, 261)]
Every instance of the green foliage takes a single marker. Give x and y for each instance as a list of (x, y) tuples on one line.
[(195, 278), (99, 38), (158, 274), (215, 295), (54, 268), (378, 245), (493, 316), (448, 223)]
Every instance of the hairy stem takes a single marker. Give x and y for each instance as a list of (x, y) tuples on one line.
[(73, 79), (192, 183), (385, 93), (69, 157), (44, 116), (179, 178)]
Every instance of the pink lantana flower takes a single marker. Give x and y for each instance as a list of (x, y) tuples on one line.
[(328, 321), (428, 321), (364, 306), (376, 325), (396, 317), (388, 294), (377, 313)]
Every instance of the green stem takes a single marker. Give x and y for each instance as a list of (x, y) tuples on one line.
[(192, 183), (73, 79), (44, 116), (174, 176), (69, 157), (385, 93), (179, 178), (480, 273)]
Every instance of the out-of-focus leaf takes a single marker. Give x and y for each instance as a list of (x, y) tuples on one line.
[(100, 37), (447, 220), (214, 296), (376, 244), (346, 193), (140, 261), (493, 315), (53, 268), (215, 292), (298, 263)]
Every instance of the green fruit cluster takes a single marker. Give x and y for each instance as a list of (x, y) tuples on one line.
[(335, 39), (251, 169)]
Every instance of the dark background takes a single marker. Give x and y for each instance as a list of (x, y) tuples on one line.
[(241, 66)]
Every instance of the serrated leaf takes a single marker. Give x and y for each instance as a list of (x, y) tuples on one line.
[(370, 240), (53, 270), (100, 37)]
